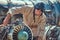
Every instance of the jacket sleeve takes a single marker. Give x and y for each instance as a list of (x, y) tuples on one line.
[(23, 10), (18, 10)]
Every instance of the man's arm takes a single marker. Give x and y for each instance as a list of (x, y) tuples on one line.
[(6, 20), (9, 14)]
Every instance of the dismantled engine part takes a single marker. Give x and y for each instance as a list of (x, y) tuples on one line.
[(20, 31), (53, 33)]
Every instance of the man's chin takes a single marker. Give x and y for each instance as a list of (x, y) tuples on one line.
[(37, 14)]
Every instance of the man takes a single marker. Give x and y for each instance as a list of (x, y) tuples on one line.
[(33, 17)]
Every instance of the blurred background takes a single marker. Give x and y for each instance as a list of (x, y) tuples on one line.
[(6, 4)]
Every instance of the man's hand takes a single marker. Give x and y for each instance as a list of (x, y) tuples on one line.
[(2, 25)]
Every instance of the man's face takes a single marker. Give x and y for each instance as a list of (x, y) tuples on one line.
[(38, 12)]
